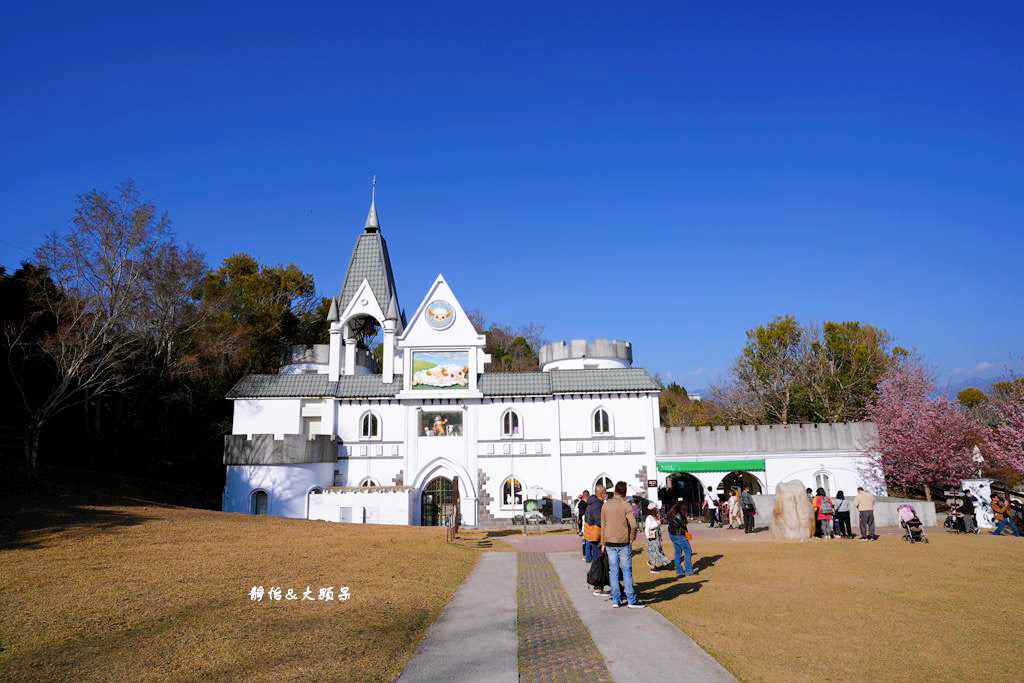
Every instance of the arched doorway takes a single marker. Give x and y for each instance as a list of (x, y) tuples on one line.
[(314, 491), (258, 502), (436, 494), (687, 487), (738, 480)]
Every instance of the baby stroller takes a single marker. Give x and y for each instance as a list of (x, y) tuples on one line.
[(911, 524)]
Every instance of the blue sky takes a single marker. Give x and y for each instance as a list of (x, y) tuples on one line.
[(670, 174)]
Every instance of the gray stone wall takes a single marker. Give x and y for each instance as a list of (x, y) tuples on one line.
[(764, 439), (264, 449)]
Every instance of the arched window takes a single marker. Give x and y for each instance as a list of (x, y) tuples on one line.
[(369, 426), (823, 480), (606, 482), (601, 423), (369, 481), (511, 493), (258, 502), (510, 424)]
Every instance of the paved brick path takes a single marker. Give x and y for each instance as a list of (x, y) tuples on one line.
[(554, 645)]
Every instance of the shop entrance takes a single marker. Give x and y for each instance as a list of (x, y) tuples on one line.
[(687, 488), (738, 480)]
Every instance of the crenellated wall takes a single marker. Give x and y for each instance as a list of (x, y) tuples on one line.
[(764, 439), (264, 449)]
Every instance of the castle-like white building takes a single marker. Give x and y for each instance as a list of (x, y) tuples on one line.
[(334, 437)]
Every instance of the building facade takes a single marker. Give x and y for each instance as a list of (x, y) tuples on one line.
[(335, 435)]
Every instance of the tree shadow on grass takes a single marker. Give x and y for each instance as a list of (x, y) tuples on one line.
[(27, 527)]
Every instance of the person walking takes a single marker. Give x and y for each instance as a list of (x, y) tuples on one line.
[(711, 505), (1003, 516), (865, 502), (678, 532), (652, 533), (842, 518), (618, 529), (735, 513), (824, 509), (592, 523), (749, 510)]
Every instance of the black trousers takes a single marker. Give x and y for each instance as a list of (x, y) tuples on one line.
[(748, 521), (843, 524)]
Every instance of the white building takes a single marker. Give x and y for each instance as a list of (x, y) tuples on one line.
[(334, 437)]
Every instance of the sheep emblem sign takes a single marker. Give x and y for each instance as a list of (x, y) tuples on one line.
[(440, 315)]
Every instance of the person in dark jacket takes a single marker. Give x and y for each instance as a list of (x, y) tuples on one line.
[(592, 519), (749, 510), (667, 494), (677, 532), (842, 516), (967, 512)]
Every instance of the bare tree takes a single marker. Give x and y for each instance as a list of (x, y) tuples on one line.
[(76, 342)]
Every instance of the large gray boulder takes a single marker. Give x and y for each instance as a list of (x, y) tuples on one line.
[(792, 513)]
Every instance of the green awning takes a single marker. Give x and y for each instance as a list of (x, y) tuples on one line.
[(712, 466)]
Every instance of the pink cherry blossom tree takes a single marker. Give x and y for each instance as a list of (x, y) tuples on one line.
[(1006, 442), (922, 441)]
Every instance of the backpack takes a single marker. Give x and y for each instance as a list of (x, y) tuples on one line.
[(598, 576), (825, 507)]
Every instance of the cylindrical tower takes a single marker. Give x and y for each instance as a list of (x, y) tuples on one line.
[(580, 353)]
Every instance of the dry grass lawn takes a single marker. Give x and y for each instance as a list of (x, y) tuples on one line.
[(148, 592), (841, 610)]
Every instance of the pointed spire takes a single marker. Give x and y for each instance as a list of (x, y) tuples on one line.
[(372, 224), (392, 312), (332, 315)]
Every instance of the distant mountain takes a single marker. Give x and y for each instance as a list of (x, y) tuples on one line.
[(983, 383)]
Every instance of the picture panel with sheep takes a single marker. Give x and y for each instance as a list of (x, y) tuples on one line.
[(440, 370)]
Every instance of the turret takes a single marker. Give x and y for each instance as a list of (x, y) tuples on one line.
[(580, 354)]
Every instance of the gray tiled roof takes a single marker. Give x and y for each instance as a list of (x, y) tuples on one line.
[(566, 382), (370, 260), (602, 380), (364, 386), (314, 386), (279, 386), (514, 384)]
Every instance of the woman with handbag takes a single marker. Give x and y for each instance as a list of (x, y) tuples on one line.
[(652, 532), (680, 538)]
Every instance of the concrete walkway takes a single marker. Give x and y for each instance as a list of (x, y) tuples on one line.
[(474, 639), (626, 658)]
